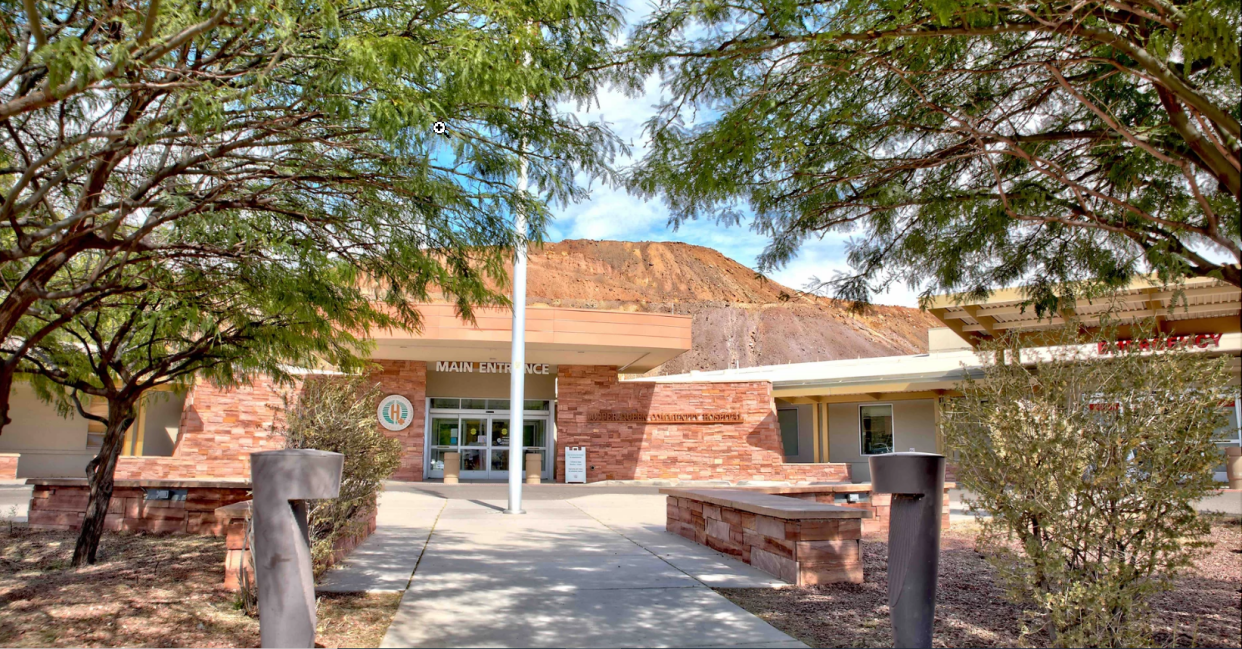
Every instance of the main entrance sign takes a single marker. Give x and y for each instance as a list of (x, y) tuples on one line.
[(489, 368), (395, 412)]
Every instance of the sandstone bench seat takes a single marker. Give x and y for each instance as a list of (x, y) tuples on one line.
[(800, 541)]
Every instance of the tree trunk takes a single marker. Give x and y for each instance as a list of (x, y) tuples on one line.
[(99, 474)]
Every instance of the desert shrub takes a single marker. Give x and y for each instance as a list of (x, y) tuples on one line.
[(1088, 459), (338, 414)]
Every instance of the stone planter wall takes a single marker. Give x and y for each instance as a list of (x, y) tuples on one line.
[(801, 552), (136, 505)]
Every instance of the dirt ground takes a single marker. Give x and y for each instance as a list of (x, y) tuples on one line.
[(146, 590), (1205, 610)]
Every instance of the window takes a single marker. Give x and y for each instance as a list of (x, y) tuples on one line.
[(877, 429), (788, 419)]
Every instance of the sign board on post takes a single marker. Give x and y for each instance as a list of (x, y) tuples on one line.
[(575, 464)]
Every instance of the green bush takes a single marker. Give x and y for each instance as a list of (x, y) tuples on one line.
[(1089, 463), (338, 414)]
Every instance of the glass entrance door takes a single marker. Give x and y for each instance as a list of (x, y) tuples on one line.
[(482, 438)]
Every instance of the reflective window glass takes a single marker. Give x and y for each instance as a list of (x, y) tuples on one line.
[(500, 432), (446, 403), (474, 432), (877, 429), (474, 404), (444, 431), (534, 433), (472, 460), (497, 404)]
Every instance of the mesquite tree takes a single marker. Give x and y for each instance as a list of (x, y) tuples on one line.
[(193, 329), (966, 144), (1088, 466), (285, 133)]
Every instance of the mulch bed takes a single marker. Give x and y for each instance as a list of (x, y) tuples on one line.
[(1205, 609), (148, 590)]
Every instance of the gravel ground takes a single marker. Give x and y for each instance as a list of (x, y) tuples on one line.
[(162, 591), (1204, 610)]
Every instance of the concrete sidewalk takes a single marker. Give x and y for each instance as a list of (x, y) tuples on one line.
[(584, 572), (385, 561)]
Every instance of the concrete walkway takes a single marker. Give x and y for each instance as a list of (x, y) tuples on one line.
[(385, 561), (590, 571)]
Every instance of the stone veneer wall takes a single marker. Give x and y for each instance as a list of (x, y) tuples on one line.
[(220, 428), (408, 379), (63, 506), (637, 451), (801, 552)]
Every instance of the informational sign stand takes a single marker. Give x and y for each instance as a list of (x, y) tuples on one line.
[(575, 464)]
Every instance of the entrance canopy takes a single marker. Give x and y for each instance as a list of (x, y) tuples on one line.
[(633, 342)]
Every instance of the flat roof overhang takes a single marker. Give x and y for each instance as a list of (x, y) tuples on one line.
[(631, 341), (1201, 305)]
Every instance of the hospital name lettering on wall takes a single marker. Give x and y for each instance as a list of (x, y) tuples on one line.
[(668, 417), (1202, 341), (489, 368)]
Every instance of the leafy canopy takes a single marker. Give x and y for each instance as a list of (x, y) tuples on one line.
[(964, 145)]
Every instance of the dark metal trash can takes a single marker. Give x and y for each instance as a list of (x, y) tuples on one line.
[(916, 481)]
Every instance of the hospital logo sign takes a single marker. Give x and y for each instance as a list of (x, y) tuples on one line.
[(395, 412)]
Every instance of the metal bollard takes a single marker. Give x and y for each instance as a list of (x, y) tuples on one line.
[(916, 481), (282, 483)]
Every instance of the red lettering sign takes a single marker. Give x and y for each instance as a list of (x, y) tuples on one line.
[(1200, 341)]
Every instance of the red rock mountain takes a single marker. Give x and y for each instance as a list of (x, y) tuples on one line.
[(740, 317)]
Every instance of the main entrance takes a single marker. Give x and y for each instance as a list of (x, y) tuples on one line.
[(478, 429)]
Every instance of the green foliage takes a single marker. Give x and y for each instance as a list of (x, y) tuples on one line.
[(288, 144), (963, 145), (1089, 467), (338, 414)]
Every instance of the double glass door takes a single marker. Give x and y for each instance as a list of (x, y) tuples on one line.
[(482, 439)]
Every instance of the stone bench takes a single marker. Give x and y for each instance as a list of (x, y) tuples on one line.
[(848, 494), (800, 541)]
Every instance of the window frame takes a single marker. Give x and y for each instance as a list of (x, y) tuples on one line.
[(892, 409)]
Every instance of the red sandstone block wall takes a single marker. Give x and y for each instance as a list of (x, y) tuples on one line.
[(63, 508), (408, 379), (220, 428), (637, 451)]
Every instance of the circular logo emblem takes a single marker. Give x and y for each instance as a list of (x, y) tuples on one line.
[(395, 412)]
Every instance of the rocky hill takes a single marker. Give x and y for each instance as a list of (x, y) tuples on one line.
[(740, 318)]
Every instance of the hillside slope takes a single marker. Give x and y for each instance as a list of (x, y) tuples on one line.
[(740, 317)]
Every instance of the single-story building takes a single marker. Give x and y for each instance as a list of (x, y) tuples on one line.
[(446, 390), (843, 411)]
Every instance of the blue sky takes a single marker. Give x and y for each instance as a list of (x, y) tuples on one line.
[(614, 214)]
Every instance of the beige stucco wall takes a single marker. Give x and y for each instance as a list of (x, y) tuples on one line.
[(162, 419), (806, 434), (494, 386), (914, 427), (50, 445)]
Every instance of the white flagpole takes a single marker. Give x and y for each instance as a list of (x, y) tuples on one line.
[(517, 367)]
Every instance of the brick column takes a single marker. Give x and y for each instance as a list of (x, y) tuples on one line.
[(408, 379)]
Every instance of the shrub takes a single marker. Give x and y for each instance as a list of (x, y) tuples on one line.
[(1088, 463), (338, 414)]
